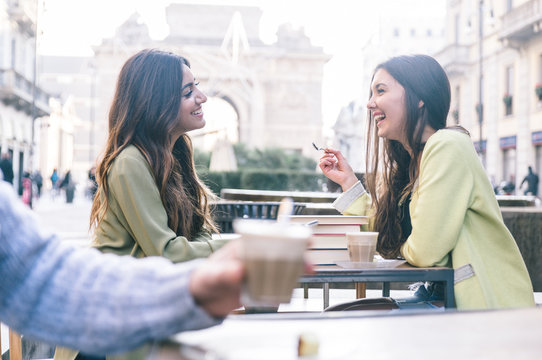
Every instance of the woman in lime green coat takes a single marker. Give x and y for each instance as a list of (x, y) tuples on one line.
[(150, 201), (427, 193)]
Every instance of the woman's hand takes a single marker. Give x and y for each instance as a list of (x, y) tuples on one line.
[(216, 283), (336, 168)]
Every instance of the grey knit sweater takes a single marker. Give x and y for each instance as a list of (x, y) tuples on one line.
[(82, 298)]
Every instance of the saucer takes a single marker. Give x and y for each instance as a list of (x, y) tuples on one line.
[(380, 264)]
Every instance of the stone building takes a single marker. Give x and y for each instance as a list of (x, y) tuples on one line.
[(274, 91), (22, 101), (493, 56), (71, 81)]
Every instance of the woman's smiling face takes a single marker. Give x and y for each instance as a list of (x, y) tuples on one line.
[(387, 106), (191, 111)]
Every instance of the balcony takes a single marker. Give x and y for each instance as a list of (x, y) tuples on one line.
[(454, 59), (16, 91), (522, 23), (23, 16)]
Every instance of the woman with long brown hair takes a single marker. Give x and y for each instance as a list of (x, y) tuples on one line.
[(427, 194), (150, 201)]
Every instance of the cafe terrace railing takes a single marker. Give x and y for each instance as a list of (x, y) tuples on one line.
[(522, 218)]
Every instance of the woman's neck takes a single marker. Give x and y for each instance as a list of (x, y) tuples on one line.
[(427, 132)]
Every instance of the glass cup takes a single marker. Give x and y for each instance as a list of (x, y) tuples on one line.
[(273, 255), (361, 246)]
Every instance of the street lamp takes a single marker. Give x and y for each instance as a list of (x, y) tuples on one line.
[(33, 112), (480, 107), (93, 71)]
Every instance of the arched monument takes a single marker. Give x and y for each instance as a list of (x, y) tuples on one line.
[(276, 90)]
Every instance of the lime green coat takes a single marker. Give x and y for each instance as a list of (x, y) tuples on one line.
[(136, 221), (456, 221), (136, 224)]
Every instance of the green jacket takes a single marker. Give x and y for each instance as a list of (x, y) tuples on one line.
[(456, 221), (136, 221)]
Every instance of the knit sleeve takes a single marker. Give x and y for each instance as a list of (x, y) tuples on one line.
[(83, 299)]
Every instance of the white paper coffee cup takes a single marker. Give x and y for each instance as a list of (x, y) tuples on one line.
[(273, 255), (361, 246)]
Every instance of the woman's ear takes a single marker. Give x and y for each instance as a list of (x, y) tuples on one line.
[(420, 104)]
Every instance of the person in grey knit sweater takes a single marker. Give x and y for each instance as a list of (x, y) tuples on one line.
[(102, 303)]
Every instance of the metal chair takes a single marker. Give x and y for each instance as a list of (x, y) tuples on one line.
[(224, 212)]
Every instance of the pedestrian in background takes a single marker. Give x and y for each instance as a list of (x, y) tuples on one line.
[(68, 186), (54, 183), (37, 179), (6, 165), (532, 182), (92, 184), (27, 189)]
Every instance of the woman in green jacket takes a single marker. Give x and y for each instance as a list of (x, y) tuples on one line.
[(150, 201), (427, 193)]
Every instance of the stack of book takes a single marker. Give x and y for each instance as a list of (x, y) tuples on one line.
[(328, 242)]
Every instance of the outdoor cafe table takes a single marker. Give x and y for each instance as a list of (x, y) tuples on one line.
[(402, 273), (450, 334)]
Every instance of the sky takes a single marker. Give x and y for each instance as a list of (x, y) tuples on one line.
[(341, 27)]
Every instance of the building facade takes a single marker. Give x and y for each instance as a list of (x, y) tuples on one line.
[(72, 82), (493, 57), (22, 101)]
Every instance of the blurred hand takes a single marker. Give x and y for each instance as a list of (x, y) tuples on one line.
[(216, 283), (336, 168)]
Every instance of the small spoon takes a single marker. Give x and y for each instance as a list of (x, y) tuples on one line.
[(318, 148)]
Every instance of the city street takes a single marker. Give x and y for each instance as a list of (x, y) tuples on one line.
[(69, 221)]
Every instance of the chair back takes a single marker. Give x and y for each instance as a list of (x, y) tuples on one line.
[(224, 212)]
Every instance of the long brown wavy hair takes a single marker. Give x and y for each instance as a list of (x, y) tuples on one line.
[(144, 112), (391, 171)]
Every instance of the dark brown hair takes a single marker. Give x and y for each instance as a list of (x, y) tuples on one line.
[(391, 182), (144, 113)]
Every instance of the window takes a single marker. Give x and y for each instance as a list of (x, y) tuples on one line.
[(396, 32), (455, 113), (508, 96), (509, 165), (456, 29), (538, 165), (13, 53), (509, 5)]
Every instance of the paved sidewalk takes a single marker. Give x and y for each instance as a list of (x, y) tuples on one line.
[(69, 221)]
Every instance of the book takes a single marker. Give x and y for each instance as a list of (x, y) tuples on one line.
[(327, 256), (328, 241), (330, 219), (335, 228)]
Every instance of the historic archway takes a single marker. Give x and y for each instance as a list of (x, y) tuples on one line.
[(222, 122), (275, 89)]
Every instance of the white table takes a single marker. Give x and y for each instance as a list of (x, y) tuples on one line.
[(498, 334)]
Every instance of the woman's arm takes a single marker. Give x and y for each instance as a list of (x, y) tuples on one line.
[(440, 202), (138, 206)]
